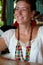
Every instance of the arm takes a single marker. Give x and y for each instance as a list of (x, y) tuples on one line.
[(5, 39), (2, 44)]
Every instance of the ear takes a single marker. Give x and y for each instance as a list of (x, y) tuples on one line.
[(32, 14)]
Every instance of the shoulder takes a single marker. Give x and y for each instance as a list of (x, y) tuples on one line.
[(8, 32), (35, 30), (41, 35), (7, 36), (41, 28), (40, 31), (38, 28)]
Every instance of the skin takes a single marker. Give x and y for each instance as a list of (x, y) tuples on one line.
[(23, 15)]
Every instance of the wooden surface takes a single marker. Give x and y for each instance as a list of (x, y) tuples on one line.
[(5, 61)]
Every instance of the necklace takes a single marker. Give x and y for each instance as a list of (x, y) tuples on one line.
[(18, 51)]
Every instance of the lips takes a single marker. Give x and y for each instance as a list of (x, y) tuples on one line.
[(20, 17)]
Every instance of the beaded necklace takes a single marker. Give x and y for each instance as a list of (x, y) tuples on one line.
[(18, 51)]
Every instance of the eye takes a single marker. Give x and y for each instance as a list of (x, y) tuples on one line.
[(24, 9), (16, 8)]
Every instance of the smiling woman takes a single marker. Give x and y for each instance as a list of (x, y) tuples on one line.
[(26, 39)]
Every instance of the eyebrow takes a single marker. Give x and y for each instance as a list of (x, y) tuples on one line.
[(22, 7)]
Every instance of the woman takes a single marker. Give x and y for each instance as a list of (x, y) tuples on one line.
[(26, 42)]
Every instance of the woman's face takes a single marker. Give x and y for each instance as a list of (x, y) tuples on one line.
[(23, 13)]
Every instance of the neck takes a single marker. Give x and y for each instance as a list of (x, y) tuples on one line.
[(24, 28)]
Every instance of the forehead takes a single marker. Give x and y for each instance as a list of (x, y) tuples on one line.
[(22, 4)]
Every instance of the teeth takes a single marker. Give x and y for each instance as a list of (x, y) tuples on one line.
[(19, 17)]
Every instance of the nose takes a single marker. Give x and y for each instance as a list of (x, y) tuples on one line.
[(20, 12)]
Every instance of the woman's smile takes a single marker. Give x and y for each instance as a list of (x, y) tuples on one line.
[(20, 17)]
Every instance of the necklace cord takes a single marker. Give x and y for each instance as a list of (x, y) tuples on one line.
[(30, 33), (18, 52), (18, 34)]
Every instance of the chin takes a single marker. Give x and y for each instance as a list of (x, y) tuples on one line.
[(19, 22)]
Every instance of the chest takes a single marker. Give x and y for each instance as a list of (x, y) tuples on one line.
[(26, 37), (34, 48)]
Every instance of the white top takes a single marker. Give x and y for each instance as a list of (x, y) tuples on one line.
[(1, 32), (36, 53)]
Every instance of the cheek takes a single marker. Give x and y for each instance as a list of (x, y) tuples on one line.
[(24, 13), (15, 15), (27, 16)]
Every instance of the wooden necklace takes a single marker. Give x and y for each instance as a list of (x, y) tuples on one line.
[(18, 51)]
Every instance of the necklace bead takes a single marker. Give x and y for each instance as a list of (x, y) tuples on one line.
[(18, 51)]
